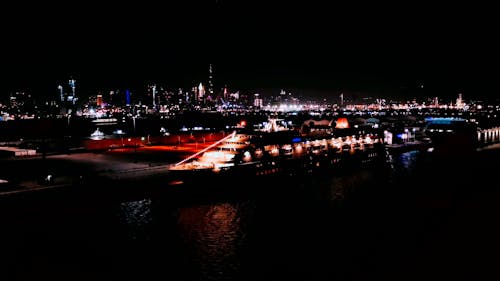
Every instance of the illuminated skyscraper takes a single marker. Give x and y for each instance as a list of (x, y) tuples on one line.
[(111, 97), (127, 97), (99, 101), (72, 84), (154, 95), (210, 81), (201, 91), (226, 94), (459, 102), (257, 101), (61, 94), (436, 102), (194, 92)]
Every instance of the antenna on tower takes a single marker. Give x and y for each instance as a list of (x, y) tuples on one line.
[(210, 80)]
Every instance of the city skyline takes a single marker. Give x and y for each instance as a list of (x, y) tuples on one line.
[(252, 47)]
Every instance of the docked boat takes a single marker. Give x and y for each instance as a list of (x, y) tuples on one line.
[(275, 151)]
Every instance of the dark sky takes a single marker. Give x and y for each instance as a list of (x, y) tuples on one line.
[(252, 45)]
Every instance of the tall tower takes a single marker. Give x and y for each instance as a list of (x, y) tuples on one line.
[(72, 84), (210, 81), (154, 95), (201, 91), (61, 94)]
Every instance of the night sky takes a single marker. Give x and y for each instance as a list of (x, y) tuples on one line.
[(314, 48)]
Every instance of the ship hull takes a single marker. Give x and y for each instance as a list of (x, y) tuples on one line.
[(323, 164)]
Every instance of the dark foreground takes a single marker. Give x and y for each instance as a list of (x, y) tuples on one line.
[(415, 219)]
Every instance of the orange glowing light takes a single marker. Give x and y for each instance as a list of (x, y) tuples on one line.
[(342, 123)]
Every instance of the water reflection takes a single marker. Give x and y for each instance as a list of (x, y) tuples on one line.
[(215, 239), (136, 216), (340, 187), (406, 162), (214, 234), (346, 224)]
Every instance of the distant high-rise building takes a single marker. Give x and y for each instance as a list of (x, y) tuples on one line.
[(194, 92), (210, 81), (436, 102), (72, 84), (201, 91), (153, 89), (61, 93), (459, 102), (257, 102), (127, 97), (111, 97), (99, 101)]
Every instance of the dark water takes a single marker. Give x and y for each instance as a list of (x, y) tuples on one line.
[(416, 218)]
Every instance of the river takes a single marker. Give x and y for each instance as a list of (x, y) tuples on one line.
[(418, 217)]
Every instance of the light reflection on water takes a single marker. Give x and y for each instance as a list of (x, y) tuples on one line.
[(312, 229), (333, 190), (406, 162), (341, 186), (136, 215), (214, 234)]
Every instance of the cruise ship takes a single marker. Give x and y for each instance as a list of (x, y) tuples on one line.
[(275, 151)]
